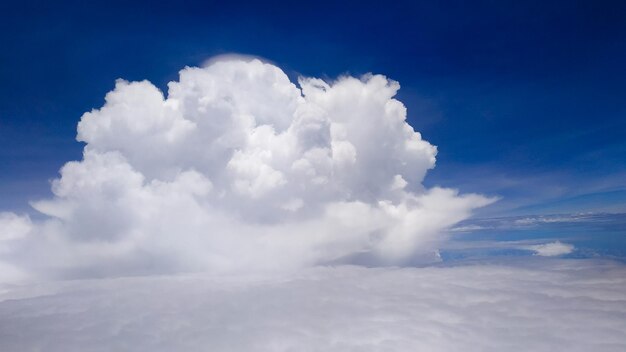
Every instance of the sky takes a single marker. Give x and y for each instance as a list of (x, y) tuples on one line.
[(283, 176), (523, 100)]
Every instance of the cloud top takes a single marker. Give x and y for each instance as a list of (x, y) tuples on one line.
[(554, 306), (238, 168)]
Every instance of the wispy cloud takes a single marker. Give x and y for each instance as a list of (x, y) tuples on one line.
[(516, 222)]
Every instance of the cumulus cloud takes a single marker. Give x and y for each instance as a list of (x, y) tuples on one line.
[(238, 168), (551, 249), (540, 305)]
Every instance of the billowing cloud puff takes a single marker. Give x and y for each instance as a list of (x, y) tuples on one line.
[(571, 305), (238, 168)]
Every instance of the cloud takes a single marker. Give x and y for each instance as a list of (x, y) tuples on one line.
[(535, 305), (526, 222), (13, 227), (551, 249), (238, 169)]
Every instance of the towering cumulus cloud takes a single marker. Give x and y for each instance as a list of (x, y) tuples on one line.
[(238, 168)]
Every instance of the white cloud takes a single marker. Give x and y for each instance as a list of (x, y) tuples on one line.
[(236, 170), (13, 227), (555, 305), (525, 222), (239, 169), (551, 249)]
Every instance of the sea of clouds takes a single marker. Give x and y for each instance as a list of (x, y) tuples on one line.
[(551, 305)]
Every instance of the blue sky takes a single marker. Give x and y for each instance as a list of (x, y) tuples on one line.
[(244, 213), (525, 100)]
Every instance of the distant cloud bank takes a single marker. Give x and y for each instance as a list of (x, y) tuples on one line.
[(238, 169)]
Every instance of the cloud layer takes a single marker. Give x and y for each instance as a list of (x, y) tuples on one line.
[(540, 305), (238, 168)]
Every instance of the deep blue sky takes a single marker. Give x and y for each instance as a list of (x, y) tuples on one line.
[(526, 100)]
